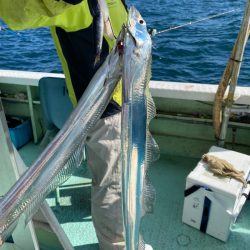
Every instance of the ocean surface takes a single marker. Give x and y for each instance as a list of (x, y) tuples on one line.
[(195, 53)]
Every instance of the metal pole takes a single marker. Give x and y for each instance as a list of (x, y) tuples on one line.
[(24, 237), (230, 78)]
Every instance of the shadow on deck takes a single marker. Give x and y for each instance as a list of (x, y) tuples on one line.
[(163, 229)]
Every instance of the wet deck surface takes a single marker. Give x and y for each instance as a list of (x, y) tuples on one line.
[(163, 229)]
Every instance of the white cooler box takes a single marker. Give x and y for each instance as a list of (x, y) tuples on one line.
[(212, 203)]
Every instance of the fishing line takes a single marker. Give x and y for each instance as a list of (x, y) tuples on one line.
[(154, 32)]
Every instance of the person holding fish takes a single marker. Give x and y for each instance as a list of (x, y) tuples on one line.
[(84, 33)]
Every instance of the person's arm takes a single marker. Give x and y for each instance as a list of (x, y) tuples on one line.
[(27, 14)]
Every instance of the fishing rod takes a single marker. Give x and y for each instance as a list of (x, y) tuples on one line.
[(154, 32)]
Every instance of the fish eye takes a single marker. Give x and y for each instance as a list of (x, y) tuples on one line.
[(141, 21)]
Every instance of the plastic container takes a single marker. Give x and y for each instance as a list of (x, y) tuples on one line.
[(212, 203), (20, 131)]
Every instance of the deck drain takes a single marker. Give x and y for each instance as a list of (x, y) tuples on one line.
[(183, 240)]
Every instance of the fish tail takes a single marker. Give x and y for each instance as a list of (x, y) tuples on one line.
[(98, 29), (97, 59)]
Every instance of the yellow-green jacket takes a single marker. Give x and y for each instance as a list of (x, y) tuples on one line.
[(71, 23)]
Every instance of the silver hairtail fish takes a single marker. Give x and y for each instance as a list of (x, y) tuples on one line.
[(108, 30), (64, 154), (98, 26), (138, 147), (102, 25)]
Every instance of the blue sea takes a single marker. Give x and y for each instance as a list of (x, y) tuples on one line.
[(195, 53)]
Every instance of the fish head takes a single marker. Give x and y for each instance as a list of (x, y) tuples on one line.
[(137, 27)]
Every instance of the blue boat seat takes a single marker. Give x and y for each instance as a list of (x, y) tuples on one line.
[(55, 102)]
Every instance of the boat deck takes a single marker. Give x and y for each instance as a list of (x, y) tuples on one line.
[(163, 229)]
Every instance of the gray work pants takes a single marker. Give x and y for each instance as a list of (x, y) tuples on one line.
[(103, 152)]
